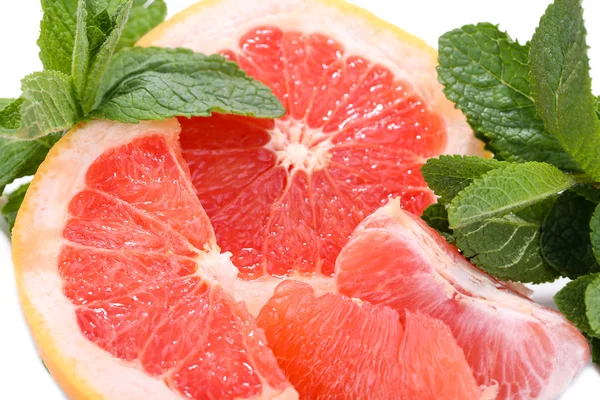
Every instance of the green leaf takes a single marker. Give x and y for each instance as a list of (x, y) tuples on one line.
[(11, 208), (81, 51), (436, 217), (503, 191), (563, 87), (49, 104), (157, 83), (103, 58), (448, 175), (570, 300), (10, 117), (595, 342), (508, 246), (598, 106), (20, 158), (588, 191), (486, 74), (565, 240), (595, 232), (592, 305), (5, 102), (110, 6), (57, 33), (143, 17)]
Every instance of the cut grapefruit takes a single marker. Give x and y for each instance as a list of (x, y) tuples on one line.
[(364, 111), (333, 347), (395, 259), (121, 280)]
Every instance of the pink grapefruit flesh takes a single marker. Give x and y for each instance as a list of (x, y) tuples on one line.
[(285, 195), (395, 259), (334, 347)]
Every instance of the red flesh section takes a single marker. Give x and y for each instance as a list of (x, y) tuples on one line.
[(134, 236), (331, 347), (377, 130)]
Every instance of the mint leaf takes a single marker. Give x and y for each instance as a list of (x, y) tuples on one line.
[(570, 300), (436, 217), (144, 16), (562, 89), (5, 102), (157, 83), (595, 232), (448, 175), (486, 74), (587, 191), (81, 51), (49, 104), (592, 305), (507, 190), (11, 208), (20, 158), (102, 60), (565, 240), (595, 342), (110, 6), (508, 246), (10, 117), (57, 33)]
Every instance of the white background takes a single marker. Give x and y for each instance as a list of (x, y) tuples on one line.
[(22, 375)]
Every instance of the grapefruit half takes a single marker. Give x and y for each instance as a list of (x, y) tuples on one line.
[(364, 112), (395, 259), (121, 281)]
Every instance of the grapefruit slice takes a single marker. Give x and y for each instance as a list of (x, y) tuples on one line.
[(395, 259), (121, 280), (333, 347), (364, 111)]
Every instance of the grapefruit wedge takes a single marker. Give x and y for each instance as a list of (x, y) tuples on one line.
[(120, 278), (395, 259), (364, 111), (334, 347)]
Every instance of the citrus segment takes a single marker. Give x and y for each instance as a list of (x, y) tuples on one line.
[(131, 265), (395, 259), (333, 347)]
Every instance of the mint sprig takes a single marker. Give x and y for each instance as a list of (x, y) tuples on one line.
[(531, 213), (92, 72)]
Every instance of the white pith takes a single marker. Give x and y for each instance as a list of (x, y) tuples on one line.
[(298, 147)]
